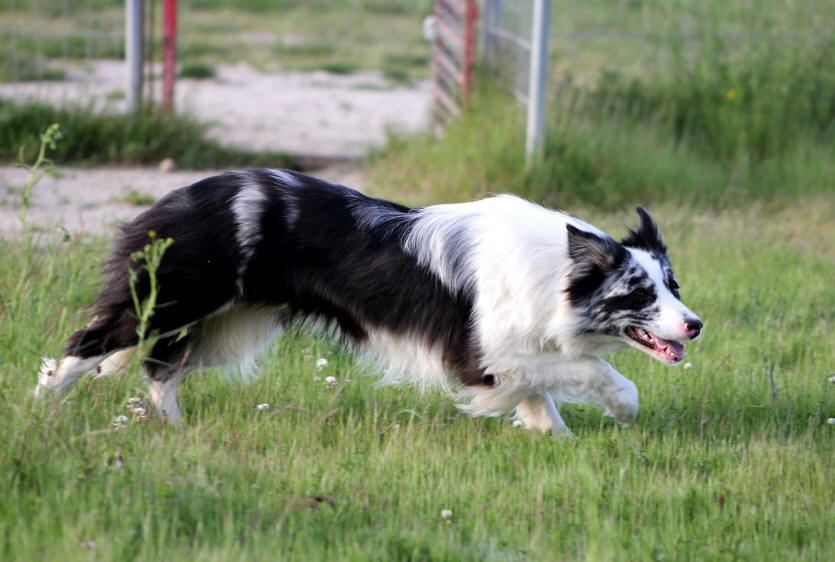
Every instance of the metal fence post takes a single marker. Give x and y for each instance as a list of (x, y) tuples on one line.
[(488, 13), (134, 34), (537, 80), (169, 53), (468, 51)]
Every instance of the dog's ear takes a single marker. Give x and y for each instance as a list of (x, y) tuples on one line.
[(589, 248), (648, 236)]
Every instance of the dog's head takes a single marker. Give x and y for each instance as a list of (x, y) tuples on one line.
[(627, 290)]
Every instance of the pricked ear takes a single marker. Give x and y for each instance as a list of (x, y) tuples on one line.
[(648, 236), (587, 247)]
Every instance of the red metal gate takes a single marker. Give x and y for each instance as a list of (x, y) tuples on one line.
[(453, 54)]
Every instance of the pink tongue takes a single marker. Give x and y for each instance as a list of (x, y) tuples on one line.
[(676, 349)]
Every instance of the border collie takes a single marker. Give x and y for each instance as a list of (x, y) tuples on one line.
[(499, 301)]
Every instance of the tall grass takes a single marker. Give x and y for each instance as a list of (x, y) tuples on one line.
[(712, 103), (725, 90), (589, 159), (732, 459)]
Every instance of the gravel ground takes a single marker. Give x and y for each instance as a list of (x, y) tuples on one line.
[(95, 200), (311, 113), (297, 112)]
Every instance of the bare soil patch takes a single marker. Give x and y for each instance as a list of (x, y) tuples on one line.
[(304, 113)]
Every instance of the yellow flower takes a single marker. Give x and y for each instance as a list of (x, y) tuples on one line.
[(731, 94)]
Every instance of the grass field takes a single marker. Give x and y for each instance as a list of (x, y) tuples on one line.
[(731, 459), (341, 36)]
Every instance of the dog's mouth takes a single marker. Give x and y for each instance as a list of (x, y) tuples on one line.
[(669, 351)]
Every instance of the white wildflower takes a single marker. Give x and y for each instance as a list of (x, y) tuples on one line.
[(446, 514), (832, 379), (830, 421), (688, 366), (330, 381), (120, 421), (518, 423), (321, 363), (262, 407)]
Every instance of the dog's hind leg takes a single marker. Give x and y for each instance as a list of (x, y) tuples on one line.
[(57, 379), (166, 366), (235, 335), (163, 396), (538, 411), (85, 352)]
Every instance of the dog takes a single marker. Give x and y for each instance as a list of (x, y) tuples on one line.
[(501, 302)]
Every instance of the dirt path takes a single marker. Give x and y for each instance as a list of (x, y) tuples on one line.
[(95, 200), (298, 112), (313, 113)]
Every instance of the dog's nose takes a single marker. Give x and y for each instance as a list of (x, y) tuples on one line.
[(693, 327)]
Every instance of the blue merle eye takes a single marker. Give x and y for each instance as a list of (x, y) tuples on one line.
[(643, 294), (674, 287)]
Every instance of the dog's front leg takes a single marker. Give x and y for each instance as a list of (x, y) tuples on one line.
[(596, 381), (619, 395), (538, 411)]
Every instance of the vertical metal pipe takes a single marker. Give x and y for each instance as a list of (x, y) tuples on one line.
[(468, 51), (169, 53), (134, 34), (487, 16), (38, 45), (537, 80), (15, 64), (65, 48)]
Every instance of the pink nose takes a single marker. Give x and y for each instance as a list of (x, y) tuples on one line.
[(693, 327)]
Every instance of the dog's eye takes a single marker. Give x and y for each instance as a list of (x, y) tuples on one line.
[(643, 294), (674, 287)]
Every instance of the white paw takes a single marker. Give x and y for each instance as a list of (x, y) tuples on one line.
[(562, 433), (48, 367), (623, 404), (556, 430)]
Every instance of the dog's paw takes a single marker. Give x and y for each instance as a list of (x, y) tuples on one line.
[(623, 404), (48, 367), (624, 416), (560, 431)]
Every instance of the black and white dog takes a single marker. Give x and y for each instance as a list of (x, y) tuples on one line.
[(501, 301)]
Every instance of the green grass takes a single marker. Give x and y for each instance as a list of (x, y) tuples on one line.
[(197, 70), (270, 35), (138, 199), (715, 104), (105, 137), (590, 159), (731, 459)]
